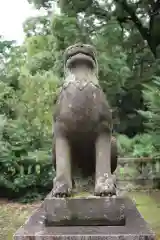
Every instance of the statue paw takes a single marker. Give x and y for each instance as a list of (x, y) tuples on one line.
[(105, 186), (61, 189)]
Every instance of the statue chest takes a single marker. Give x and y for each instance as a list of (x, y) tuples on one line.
[(80, 97), (79, 107)]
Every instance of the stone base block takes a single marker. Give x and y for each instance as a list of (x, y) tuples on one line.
[(135, 228), (84, 211)]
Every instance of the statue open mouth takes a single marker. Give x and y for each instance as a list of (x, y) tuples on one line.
[(80, 54)]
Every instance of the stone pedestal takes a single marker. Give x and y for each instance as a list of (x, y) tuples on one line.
[(135, 228), (84, 211)]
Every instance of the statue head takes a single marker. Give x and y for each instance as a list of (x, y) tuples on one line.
[(78, 55)]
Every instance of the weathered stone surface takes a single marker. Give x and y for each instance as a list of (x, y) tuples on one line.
[(82, 126), (134, 229), (84, 211)]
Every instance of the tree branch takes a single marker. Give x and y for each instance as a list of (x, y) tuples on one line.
[(100, 12), (143, 30)]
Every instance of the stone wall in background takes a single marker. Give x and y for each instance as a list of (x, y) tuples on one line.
[(138, 173)]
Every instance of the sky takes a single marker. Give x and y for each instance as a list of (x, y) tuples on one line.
[(12, 15)]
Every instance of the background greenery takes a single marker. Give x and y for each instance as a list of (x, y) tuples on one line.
[(126, 35)]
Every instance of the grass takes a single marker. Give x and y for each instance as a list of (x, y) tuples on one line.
[(149, 206), (13, 215)]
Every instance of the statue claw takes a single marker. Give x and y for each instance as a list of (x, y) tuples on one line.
[(61, 189), (105, 187)]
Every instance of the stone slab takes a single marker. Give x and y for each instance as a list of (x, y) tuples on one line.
[(134, 229), (84, 211)]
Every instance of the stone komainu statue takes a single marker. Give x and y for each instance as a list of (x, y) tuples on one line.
[(83, 126)]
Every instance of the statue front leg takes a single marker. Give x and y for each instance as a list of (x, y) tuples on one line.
[(63, 181), (104, 182)]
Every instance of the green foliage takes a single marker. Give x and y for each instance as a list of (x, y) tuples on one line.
[(43, 3), (113, 69), (31, 73), (146, 22), (34, 26), (124, 145), (24, 161), (42, 61), (139, 146), (26, 139), (66, 31), (152, 115)]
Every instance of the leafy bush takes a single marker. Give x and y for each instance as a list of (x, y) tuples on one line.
[(125, 146), (152, 115), (28, 86), (28, 174), (26, 141), (139, 146)]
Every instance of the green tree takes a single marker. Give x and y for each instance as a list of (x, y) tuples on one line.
[(31, 74), (145, 15), (151, 94), (122, 32)]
